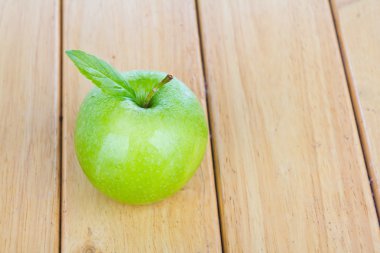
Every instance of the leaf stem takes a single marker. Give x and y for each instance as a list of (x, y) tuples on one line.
[(158, 86)]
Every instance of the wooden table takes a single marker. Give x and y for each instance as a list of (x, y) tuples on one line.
[(292, 91)]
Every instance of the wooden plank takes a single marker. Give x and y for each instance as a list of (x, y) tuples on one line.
[(29, 132), (358, 25), (290, 170), (134, 35)]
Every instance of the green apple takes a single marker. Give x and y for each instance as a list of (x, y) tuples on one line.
[(140, 135)]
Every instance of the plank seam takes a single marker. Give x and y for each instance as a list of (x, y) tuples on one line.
[(353, 99), (60, 48), (208, 106)]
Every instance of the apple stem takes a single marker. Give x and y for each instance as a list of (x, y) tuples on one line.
[(158, 86)]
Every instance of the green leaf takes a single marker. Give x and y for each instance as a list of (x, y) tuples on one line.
[(102, 74)]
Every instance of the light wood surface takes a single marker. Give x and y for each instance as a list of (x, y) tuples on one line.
[(358, 25), (289, 165), (136, 34), (29, 126), (289, 161)]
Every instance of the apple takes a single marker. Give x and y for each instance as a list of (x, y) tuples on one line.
[(140, 135)]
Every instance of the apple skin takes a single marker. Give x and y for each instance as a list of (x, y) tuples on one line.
[(139, 155)]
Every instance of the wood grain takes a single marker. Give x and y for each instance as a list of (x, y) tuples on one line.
[(358, 25), (134, 34), (29, 132), (290, 170)]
